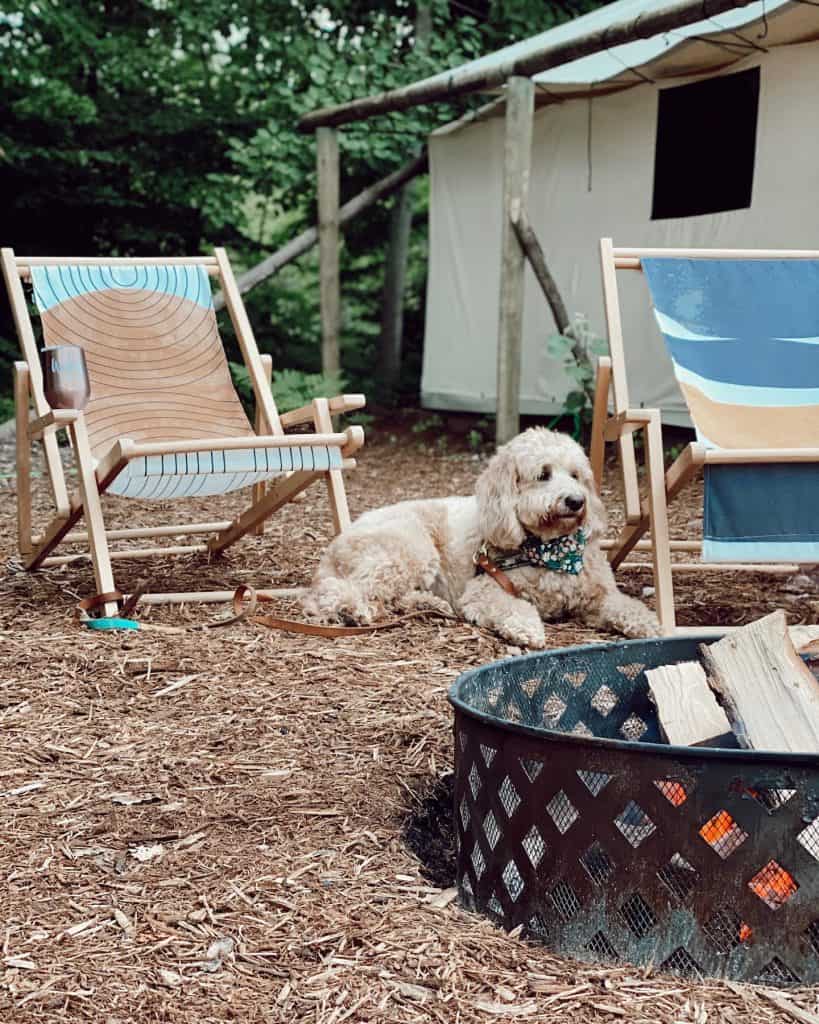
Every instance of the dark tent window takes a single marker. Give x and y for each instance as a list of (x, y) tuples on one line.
[(706, 139)]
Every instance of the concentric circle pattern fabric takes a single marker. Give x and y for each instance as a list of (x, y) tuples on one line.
[(155, 359)]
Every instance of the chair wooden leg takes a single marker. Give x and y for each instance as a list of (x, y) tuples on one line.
[(597, 452), (23, 458), (335, 481), (262, 427), (658, 514), (92, 507)]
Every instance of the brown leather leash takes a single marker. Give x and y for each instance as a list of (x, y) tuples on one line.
[(485, 564), (241, 612), (245, 603)]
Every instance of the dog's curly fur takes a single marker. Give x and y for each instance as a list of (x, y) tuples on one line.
[(419, 553)]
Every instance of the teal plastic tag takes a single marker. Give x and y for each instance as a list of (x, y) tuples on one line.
[(111, 624)]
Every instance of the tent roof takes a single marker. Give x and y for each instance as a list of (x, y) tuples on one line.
[(701, 47)]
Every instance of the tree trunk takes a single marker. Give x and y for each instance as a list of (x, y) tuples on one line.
[(397, 254)]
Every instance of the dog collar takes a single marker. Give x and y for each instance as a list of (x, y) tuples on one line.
[(562, 554)]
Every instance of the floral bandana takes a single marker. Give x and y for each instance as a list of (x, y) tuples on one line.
[(563, 554)]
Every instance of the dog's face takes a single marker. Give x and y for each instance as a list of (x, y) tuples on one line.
[(541, 483)]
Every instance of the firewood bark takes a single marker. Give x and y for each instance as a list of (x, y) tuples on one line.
[(771, 696), (686, 706)]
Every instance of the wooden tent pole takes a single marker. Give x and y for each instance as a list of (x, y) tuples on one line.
[(328, 231), (467, 80), (520, 105)]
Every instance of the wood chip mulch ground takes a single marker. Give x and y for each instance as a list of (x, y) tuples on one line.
[(210, 826)]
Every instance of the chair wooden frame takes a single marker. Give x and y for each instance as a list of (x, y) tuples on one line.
[(650, 513), (35, 421)]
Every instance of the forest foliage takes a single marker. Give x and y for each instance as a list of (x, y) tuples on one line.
[(134, 127)]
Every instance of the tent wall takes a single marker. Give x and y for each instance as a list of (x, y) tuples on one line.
[(466, 166)]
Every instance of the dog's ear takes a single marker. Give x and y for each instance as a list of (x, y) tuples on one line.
[(497, 490)]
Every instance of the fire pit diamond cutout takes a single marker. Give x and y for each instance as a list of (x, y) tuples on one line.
[(771, 799), (478, 862), (553, 708), (488, 754), (604, 701), (723, 834), (679, 877), (775, 972), (727, 930), (595, 782), (531, 767), (638, 915), (491, 830), (812, 932), (632, 670), (565, 901), (464, 808), (674, 792), (597, 863), (581, 729), (494, 905), (530, 686), (508, 797), (681, 962), (774, 885), (634, 823), (809, 838), (474, 780), (512, 880), (534, 846), (600, 947), (562, 812), (633, 728)]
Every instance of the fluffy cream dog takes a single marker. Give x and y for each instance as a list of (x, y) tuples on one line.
[(537, 488)]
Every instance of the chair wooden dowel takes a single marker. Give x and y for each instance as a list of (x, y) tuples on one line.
[(136, 533), (125, 553), (718, 254), (137, 449), (22, 458), (218, 596), (774, 568), (724, 456), (26, 262), (645, 545)]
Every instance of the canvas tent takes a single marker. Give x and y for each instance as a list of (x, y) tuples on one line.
[(621, 148)]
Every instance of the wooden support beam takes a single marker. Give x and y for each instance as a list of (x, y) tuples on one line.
[(328, 230), (23, 457), (261, 426), (302, 243), (528, 240), (484, 75), (597, 455), (520, 104)]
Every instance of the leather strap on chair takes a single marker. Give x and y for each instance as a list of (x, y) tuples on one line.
[(485, 564), (89, 604)]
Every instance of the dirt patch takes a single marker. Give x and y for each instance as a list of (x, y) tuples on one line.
[(430, 833)]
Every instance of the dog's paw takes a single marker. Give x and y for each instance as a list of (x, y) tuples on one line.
[(523, 632)]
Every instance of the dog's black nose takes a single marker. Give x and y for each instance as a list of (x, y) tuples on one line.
[(574, 504)]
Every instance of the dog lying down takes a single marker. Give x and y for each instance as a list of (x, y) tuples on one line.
[(535, 516)]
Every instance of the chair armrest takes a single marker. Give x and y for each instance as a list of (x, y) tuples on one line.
[(306, 413), (627, 422), (54, 419)]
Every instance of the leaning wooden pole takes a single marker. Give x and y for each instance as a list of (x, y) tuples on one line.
[(328, 232), (471, 79), (520, 104), (304, 242), (525, 234)]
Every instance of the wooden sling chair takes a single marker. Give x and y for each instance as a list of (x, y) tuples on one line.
[(742, 330), (163, 420)]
